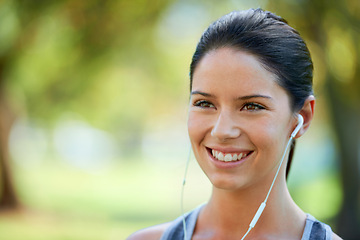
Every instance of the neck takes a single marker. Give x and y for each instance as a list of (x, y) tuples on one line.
[(230, 212)]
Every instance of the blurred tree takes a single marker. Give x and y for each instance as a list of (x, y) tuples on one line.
[(52, 53), (333, 30)]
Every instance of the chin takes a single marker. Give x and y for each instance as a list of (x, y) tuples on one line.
[(228, 183)]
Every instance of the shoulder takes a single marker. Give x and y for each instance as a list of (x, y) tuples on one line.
[(150, 233), (315, 229), (335, 237)]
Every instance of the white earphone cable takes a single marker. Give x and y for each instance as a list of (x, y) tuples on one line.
[(263, 204), (182, 194), (277, 172)]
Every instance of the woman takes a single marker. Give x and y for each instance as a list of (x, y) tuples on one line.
[(250, 79)]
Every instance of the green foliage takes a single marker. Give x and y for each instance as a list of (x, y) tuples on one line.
[(61, 49)]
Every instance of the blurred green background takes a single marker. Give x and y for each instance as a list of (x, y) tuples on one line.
[(93, 104)]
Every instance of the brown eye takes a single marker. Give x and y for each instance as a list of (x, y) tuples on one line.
[(203, 104), (252, 107)]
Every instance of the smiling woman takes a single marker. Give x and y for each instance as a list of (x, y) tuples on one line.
[(246, 113), (251, 94)]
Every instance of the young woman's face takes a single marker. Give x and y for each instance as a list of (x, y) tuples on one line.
[(239, 119)]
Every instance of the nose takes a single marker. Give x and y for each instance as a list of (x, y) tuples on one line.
[(225, 127)]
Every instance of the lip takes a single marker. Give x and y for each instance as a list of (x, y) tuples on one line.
[(227, 165)]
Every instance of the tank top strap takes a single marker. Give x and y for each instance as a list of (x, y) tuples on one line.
[(316, 230), (176, 231)]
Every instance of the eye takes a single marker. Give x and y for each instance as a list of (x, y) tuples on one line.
[(203, 104), (252, 107)]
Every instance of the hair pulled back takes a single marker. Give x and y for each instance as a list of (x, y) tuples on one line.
[(268, 37), (276, 45)]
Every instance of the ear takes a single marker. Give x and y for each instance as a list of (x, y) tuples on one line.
[(307, 112)]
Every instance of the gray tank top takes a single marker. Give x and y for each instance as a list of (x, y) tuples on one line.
[(314, 229)]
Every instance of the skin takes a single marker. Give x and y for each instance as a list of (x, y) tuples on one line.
[(237, 106)]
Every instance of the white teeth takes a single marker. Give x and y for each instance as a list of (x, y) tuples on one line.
[(228, 157)]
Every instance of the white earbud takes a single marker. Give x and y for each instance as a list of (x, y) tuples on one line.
[(300, 123)]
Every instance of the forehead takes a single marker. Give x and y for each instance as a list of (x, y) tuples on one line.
[(231, 69)]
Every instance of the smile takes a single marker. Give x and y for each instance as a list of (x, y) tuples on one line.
[(228, 157)]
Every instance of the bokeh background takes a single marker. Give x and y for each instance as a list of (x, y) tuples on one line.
[(93, 104)]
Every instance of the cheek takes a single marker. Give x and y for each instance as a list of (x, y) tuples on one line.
[(267, 135), (195, 128)]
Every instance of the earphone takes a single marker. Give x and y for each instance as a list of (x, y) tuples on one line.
[(263, 204), (182, 194), (299, 125)]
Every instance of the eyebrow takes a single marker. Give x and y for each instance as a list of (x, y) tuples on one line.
[(254, 96), (201, 93), (239, 98)]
